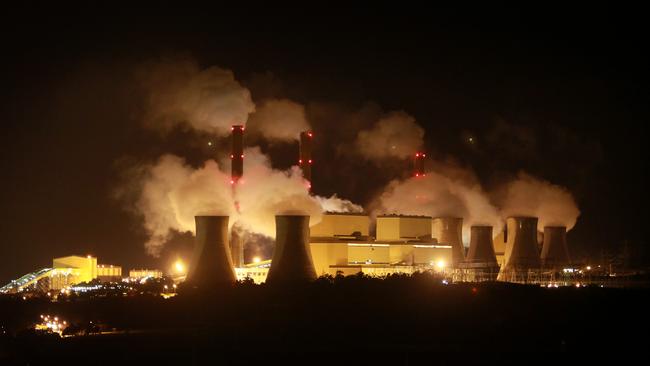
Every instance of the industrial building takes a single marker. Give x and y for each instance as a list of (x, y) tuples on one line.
[(140, 274), (340, 244), (72, 270)]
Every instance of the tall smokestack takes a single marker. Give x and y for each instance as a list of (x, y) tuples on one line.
[(211, 264), (449, 230), (418, 164), (292, 260), (521, 253), (305, 159), (236, 172), (555, 253), (237, 153)]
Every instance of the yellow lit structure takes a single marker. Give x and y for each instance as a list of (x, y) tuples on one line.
[(109, 272), (341, 224), (403, 245), (138, 274), (399, 227), (71, 270)]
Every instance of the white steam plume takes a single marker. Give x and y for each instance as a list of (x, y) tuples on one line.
[(264, 193), (180, 92), (172, 193), (529, 196), (279, 119), (336, 204), (394, 136), (439, 195)]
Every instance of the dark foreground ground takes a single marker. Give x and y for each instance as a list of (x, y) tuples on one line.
[(399, 320)]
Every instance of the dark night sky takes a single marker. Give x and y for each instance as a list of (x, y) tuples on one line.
[(572, 80)]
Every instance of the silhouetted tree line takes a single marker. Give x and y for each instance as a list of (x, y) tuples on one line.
[(357, 313)]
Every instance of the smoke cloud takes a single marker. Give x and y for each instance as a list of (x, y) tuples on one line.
[(179, 92), (438, 194), (529, 196), (394, 136), (279, 119), (172, 193), (336, 204)]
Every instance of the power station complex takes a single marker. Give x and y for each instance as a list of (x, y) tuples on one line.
[(341, 244)]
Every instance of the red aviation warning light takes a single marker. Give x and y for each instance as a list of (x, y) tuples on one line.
[(418, 164)]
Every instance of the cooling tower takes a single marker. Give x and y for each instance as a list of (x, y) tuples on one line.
[(418, 164), (481, 248), (449, 230), (481, 262), (237, 153), (305, 159), (211, 264), (521, 255), (555, 253), (292, 260)]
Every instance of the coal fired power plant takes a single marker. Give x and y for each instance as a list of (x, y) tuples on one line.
[(350, 242)]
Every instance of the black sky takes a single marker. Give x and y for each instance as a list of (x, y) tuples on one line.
[(558, 92)]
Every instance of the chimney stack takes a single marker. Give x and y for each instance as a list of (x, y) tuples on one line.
[(555, 253), (449, 230), (237, 153), (211, 264), (305, 160), (237, 171), (292, 262), (521, 254), (418, 164)]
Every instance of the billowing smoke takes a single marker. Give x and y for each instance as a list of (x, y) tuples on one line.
[(439, 194), (179, 92), (264, 193), (279, 119), (396, 135), (529, 196), (336, 204), (172, 193)]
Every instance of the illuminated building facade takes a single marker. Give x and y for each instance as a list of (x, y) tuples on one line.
[(138, 274), (109, 272)]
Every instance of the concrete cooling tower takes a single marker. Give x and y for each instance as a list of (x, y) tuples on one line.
[(521, 255), (211, 264), (449, 230), (555, 253), (292, 260), (481, 261)]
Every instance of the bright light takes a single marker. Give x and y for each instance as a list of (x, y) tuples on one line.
[(209, 143), (588, 268), (179, 266), (440, 264), (257, 259)]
